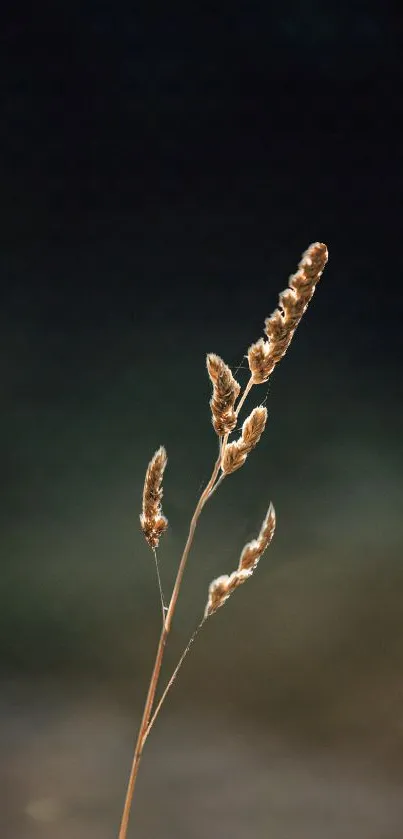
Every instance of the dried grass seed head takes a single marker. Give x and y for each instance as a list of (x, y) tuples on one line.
[(281, 325), (253, 550), (221, 588), (235, 453), (253, 428), (232, 458), (225, 393), (153, 522)]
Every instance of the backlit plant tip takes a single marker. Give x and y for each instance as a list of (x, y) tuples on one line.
[(221, 588), (281, 325), (152, 520), (235, 453), (253, 550), (225, 392)]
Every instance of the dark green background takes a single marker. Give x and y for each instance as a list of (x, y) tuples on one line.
[(162, 174)]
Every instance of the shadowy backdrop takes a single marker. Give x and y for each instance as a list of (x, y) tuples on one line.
[(162, 170)]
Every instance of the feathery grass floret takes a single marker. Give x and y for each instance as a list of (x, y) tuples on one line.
[(225, 393), (281, 325), (221, 588), (152, 520)]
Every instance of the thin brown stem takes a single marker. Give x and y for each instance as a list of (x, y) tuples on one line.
[(162, 599), (262, 358), (245, 394), (172, 679), (214, 486), (160, 654), (217, 484)]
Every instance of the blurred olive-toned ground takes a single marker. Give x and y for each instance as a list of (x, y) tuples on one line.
[(162, 172), (64, 764), (286, 720)]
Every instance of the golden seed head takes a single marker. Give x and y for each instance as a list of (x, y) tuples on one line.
[(310, 268), (282, 323), (153, 522), (221, 588), (235, 453), (261, 362), (225, 392), (232, 458), (217, 594), (253, 550), (253, 428), (214, 366)]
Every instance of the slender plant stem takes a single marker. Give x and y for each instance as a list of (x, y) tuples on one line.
[(214, 486), (244, 396), (223, 442), (172, 679), (145, 722), (217, 483), (160, 654), (157, 568)]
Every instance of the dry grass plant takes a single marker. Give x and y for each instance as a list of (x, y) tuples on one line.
[(262, 358)]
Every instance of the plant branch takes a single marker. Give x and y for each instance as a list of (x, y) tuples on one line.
[(160, 653), (172, 679), (162, 599)]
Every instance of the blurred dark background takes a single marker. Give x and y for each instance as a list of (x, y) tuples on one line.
[(162, 170)]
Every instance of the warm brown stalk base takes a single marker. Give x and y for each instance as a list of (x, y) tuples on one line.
[(160, 655)]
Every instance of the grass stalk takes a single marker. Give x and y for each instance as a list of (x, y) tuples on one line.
[(142, 733), (263, 356)]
